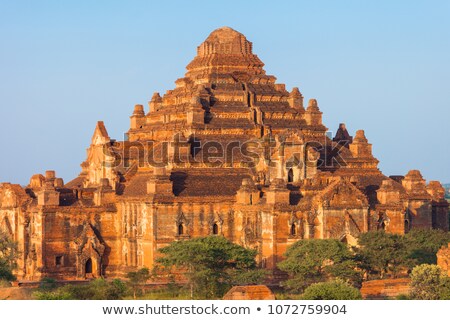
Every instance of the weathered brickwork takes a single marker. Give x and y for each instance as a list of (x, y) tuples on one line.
[(229, 151)]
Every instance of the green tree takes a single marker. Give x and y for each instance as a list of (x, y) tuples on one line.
[(137, 279), (429, 283), (314, 260), (211, 264), (8, 257), (426, 282), (332, 290), (380, 252), (422, 245), (444, 289)]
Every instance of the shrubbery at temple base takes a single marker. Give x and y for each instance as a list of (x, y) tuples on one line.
[(98, 289), (213, 264), (428, 283), (331, 290)]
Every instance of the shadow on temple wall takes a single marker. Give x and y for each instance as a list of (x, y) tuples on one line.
[(371, 193), (179, 182)]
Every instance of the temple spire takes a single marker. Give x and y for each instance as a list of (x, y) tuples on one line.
[(227, 50), (100, 135)]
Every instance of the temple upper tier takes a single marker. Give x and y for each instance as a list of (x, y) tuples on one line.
[(225, 88)]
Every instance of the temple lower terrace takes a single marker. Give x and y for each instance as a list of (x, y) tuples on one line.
[(228, 151)]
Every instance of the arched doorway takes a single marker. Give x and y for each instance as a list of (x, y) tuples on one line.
[(88, 267)]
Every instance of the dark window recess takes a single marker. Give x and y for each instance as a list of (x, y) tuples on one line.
[(290, 175), (293, 229), (215, 228), (180, 229), (59, 261), (88, 266)]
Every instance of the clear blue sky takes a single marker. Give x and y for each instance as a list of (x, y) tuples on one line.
[(381, 66)]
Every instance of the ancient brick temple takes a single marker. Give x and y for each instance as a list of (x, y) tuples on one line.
[(227, 152)]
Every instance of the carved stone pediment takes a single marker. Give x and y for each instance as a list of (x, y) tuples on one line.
[(89, 249), (88, 241), (341, 193), (181, 218), (215, 218)]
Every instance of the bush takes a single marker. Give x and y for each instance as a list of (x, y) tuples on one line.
[(4, 283), (428, 283), (98, 289), (6, 272), (444, 290), (52, 295), (48, 284), (332, 290)]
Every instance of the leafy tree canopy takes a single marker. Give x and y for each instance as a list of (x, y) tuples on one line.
[(381, 252), (422, 245), (211, 264), (316, 260), (137, 279)]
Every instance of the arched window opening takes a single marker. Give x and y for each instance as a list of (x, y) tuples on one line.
[(290, 175), (293, 229), (180, 229), (215, 228)]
